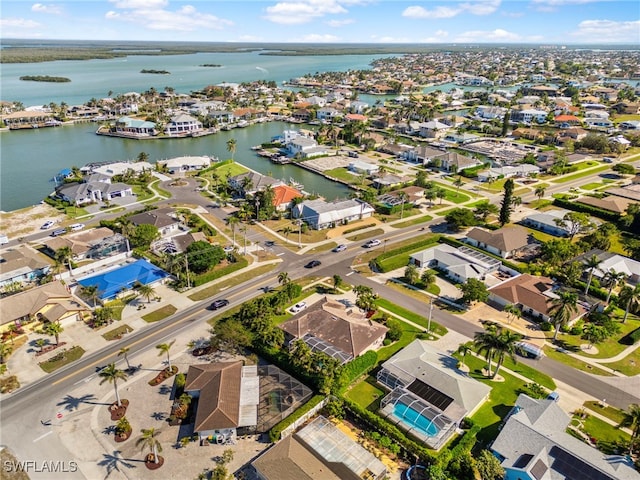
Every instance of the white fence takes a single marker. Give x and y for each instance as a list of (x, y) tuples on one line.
[(294, 426)]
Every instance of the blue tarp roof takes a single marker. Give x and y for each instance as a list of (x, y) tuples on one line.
[(114, 281)]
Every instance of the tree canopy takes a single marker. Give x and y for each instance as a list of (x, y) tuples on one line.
[(203, 256)]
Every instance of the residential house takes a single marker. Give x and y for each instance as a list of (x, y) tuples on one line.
[(504, 242), (433, 129), (358, 107), (186, 164), (459, 264), (92, 191), (528, 116), (182, 125), (327, 114), (454, 162), (533, 444), (27, 119), (485, 112), (359, 167), (133, 127), (283, 197), (630, 125), (93, 244), (421, 154), (532, 294), (390, 180), (51, 302), (221, 117), (331, 327), (316, 101), (612, 261), (521, 170), (320, 214), (22, 265), (566, 121), (613, 204), (178, 243), (459, 138), (118, 168), (165, 220), (319, 451), (429, 395), (301, 115), (356, 117), (305, 147), (549, 222), (228, 397), (249, 183), (598, 123)]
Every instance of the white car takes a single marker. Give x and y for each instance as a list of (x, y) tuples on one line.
[(340, 248), (76, 227), (372, 243), (47, 225), (298, 307), (228, 249)]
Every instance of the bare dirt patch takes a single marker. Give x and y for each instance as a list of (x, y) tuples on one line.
[(26, 221)]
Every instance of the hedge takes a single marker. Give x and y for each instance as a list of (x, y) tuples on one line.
[(383, 426), (377, 262), (597, 292), (473, 171), (214, 166), (465, 445), (276, 430), (357, 367), (631, 338), (581, 207), (457, 243), (210, 276)]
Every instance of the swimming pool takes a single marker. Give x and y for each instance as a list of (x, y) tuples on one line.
[(112, 282), (413, 419)]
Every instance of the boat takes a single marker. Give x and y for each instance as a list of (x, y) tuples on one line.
[(293, 183), (256, 147)]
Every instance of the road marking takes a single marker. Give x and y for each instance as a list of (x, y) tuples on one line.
[(350, 273), (279, 254), (42, 436)]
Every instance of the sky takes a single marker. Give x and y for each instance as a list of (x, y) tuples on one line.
[(327, 21)]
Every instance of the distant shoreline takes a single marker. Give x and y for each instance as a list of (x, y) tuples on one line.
[(44, 78)]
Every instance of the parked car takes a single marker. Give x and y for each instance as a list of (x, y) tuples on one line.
[(555, 396), (228, 249), (313, 264), (269, 243), (372, 243), (298, 307), (4, 239), (216, 304), (47, 225), (76, 227), (340, 248), (58, 232)]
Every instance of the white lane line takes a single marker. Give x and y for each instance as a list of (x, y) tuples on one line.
[(279, 254), (42, 436), (350, 273)]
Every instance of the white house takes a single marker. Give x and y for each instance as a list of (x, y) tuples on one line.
[(320, 214), (433, 129), (182, 124), (120, 168), (528, 116), (459, 264), (358, 166), (327, 114), (521, 170), (305, 147), (186, 164), (486, 112), (548, 222)]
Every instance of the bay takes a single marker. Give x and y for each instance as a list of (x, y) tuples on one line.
[(30, 158)]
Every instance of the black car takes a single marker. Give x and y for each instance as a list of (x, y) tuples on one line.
[(313, 264), (223, 302)]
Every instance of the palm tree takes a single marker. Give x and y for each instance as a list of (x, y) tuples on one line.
[(142, 157), (233, 221), (441, 193), (13, 330), (403, 197), (512, 312), (458, 183), (337, 281), (146, 291), (516, 201), (91, 291), (149, 440), (630, 297), (112, 374), (41, 342), (286, 231), (123, 352), (64, 255), (562, 307), (539, 192), (506, 345), (592, 264), (54, 329), (464, 348), (283, 278), (231, 147), (613, 279), (5, 350), (486, 343), (632, 420), (164, 348)]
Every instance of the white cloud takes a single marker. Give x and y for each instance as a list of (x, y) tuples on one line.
[(497, 35), (42, 8), (303, 11), (437, 37), (438, 12), (340, 23), (152, 15), (18, 23), (552, 5), (481, 7), (607, 31), (389, 39), (317, 38), (475, 7)]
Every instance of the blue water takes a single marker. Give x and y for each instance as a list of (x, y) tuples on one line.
[(415, 420)]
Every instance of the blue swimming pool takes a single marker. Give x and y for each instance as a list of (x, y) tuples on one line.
[(415, 420), (114, 281)]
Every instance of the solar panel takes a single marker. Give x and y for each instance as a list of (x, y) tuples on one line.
[(574, 468), (430, 394), (523, 461)]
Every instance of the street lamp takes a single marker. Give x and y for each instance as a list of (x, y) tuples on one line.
[(430, 313)]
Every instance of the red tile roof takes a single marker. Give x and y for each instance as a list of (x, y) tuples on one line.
[(283, 194)]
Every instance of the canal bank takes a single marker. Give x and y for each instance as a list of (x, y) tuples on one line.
[(30, 159)]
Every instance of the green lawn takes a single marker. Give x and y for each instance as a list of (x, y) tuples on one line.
[(539, 204), (413, 221), (412, 316), (325, 247), (160, 314), (344, 175), (230, 282), (117, 332), (408, 212), (409, 334), (607, 436), (630, 365), (585, 164), (367, 394), (496, 186), (552, 353), (584, 173), (62, 358), (611, 413), (141, 194), (361, 236), (231, 169)]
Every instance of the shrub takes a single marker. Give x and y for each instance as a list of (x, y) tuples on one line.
[(581, 207), (276, 430), (357, 367), (631, 338), (546, 326)]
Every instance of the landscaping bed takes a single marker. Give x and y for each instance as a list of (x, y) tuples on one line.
[(117, 333), (163, 375), (61, 359), (160, 314), (118, 411)]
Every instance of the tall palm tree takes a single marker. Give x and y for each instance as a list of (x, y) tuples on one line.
[(146, 291), (41, 342), (562, 307), (164, 348), (458, 183), (91, 291), (539, 192), (149, 440), (486, 343), (441, 193), (632, 420), (64, 256), (112, 374), (233, 221), (283, 278), (124, 353), (54, 329), (592, 264), (231, 147), (505, 345), (630, 298), (613, 279), (512, 312), (403, 197)]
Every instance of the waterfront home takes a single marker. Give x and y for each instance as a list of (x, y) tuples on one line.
[(92, 192), (166, 220), (453, 162), (531, 294), (331, 327), (390, 180), (549, 222), (221, 117), (533, 443), (249, 183), (27, 119), (504, 242), (459, 264), (301, 115), (320, 214), (136, 128), (117, 168), (318, 451), (429, 395), (182, 124), (95, 244), (598, 123), (227, 396), (283, 197), (327, 114), (305, 147), (433, 129), (51, 302), (356, 117), (358, 107), (527, 116), (490, 112), (22, 265), (421, 154), (359, 167), (185, 164)]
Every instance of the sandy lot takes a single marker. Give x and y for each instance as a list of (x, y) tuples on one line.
[(28, 220)]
